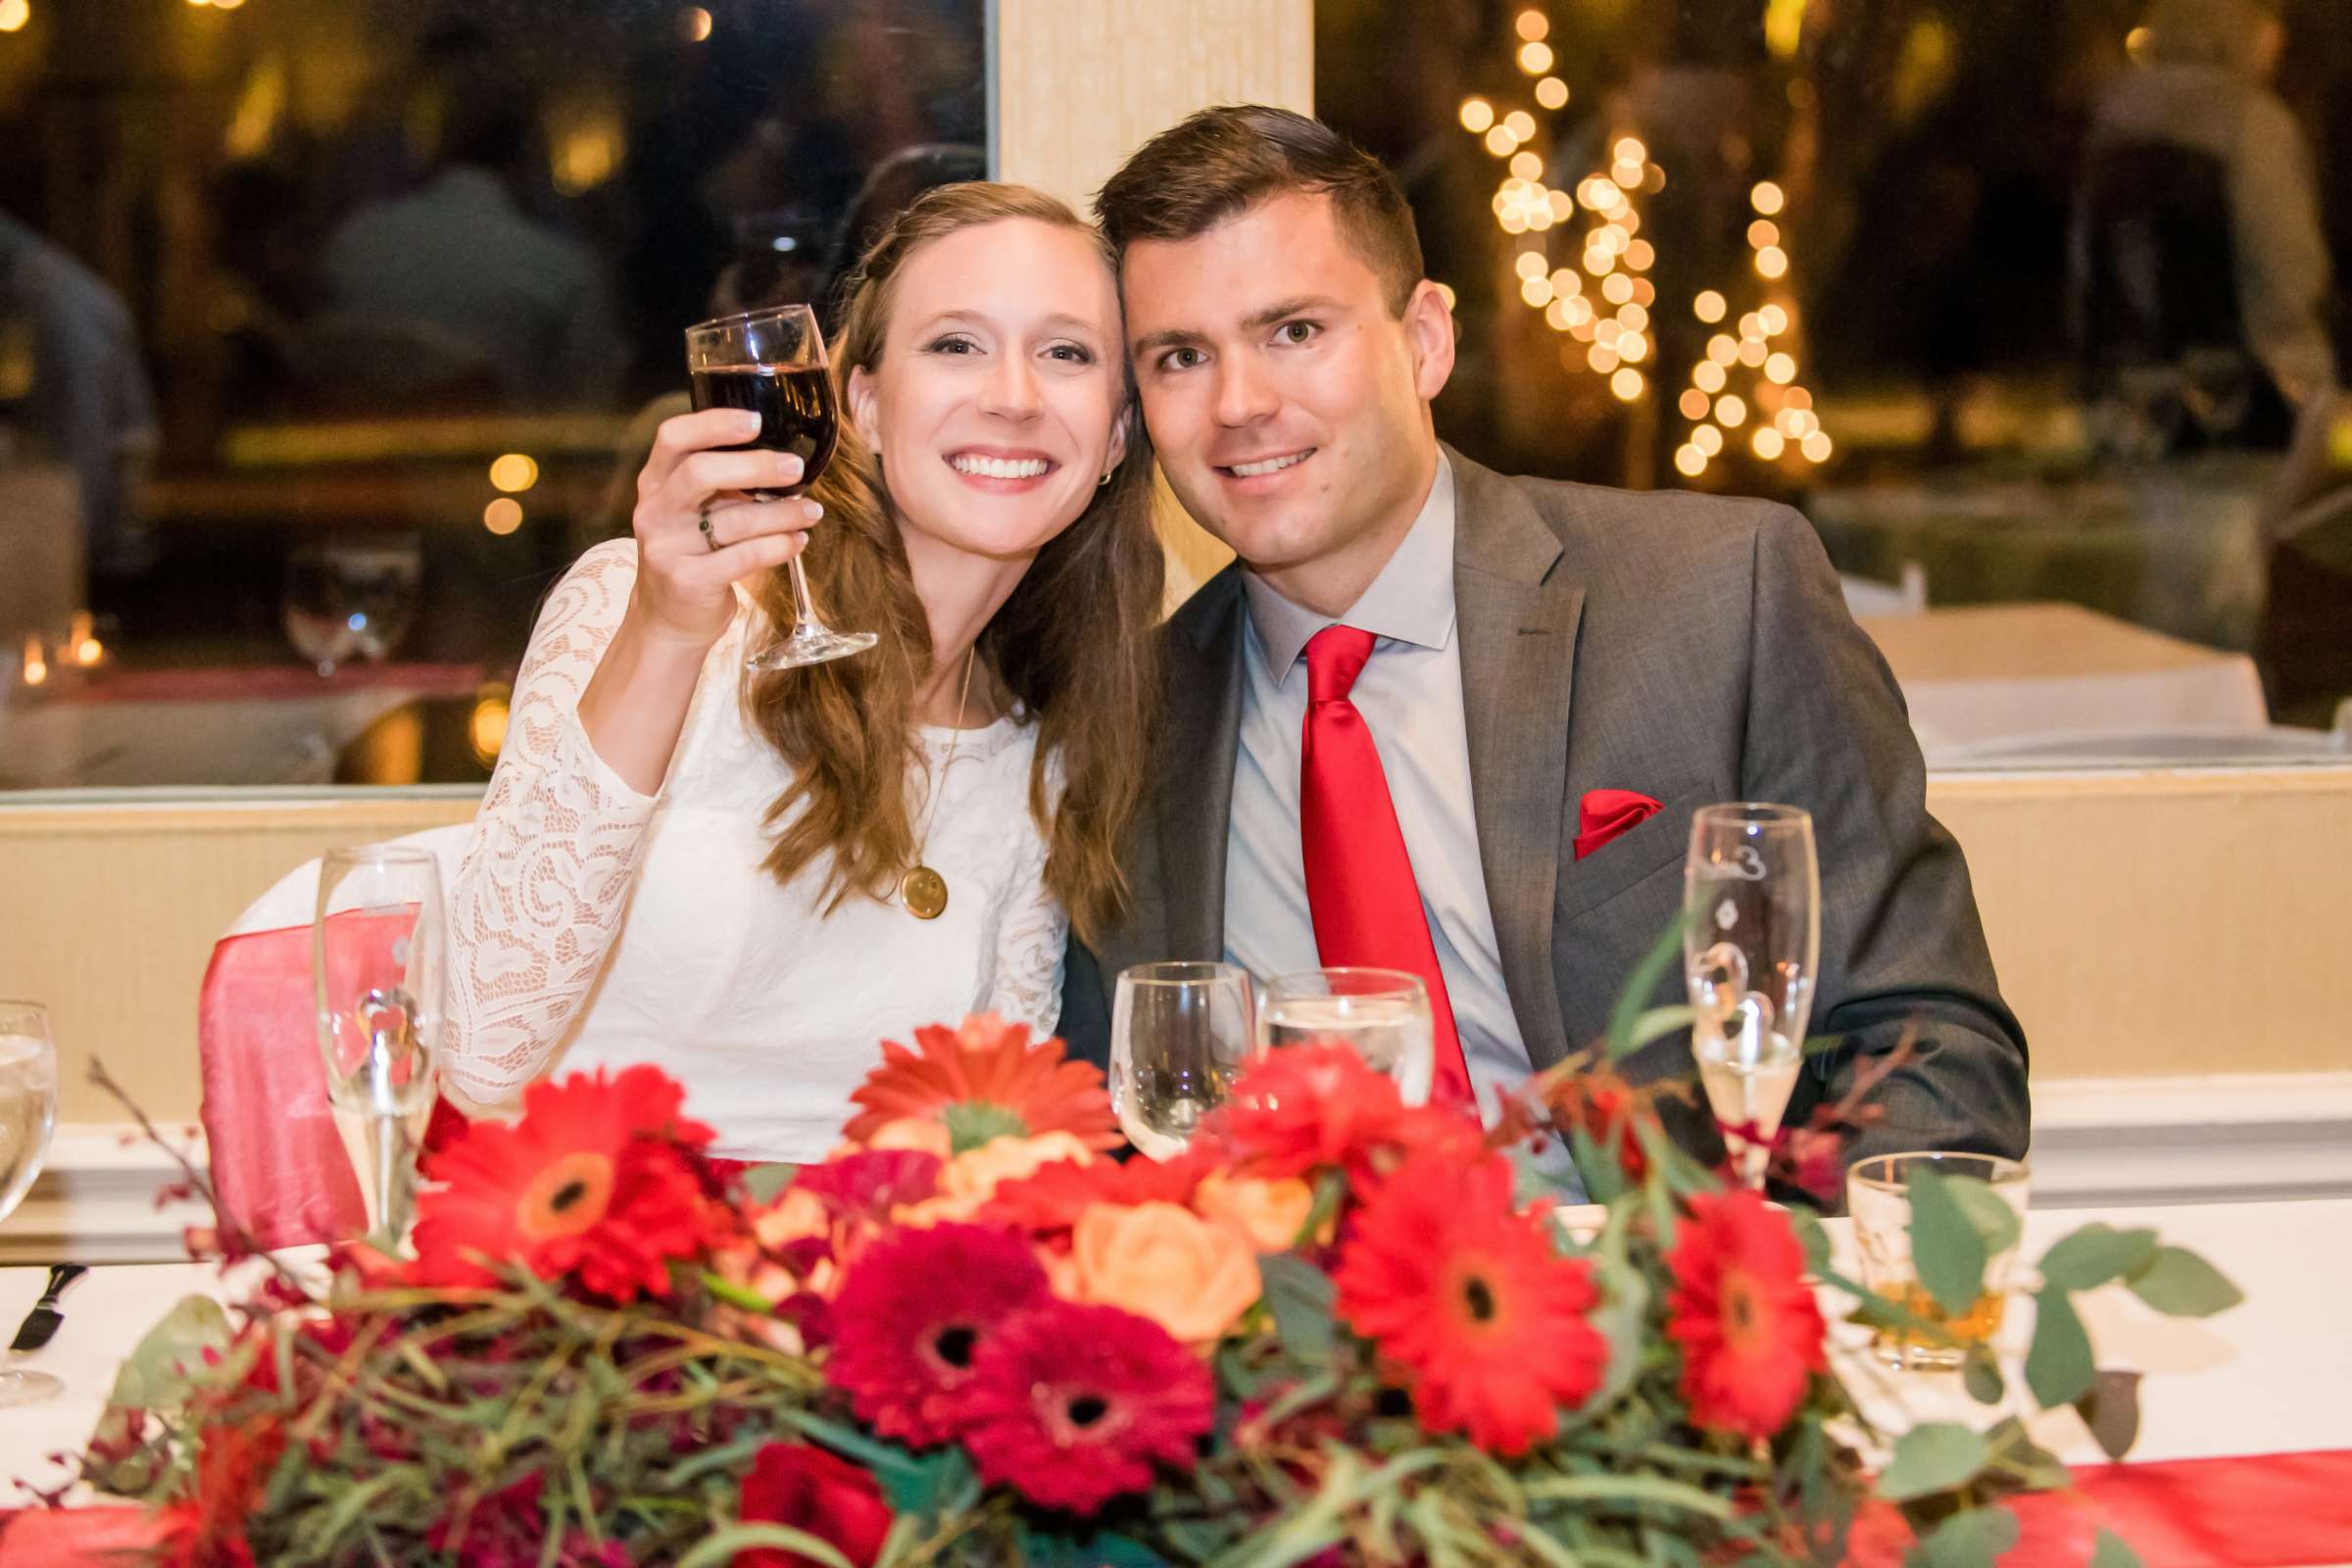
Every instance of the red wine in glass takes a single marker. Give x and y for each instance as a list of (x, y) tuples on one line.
[(772, 362), (794, 407)]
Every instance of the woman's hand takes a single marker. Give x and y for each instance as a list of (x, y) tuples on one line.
[(685, 577)]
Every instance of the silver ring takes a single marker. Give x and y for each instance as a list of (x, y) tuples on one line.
[(709, 538)]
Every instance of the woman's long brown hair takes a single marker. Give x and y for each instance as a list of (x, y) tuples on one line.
[(1075, 643)]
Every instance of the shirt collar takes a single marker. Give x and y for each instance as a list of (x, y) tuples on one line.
[(1411, 601)]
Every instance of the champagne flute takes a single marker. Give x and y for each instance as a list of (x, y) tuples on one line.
[(1751, 953), (1382, 1014), (376, 967), (28, 1115), (772, 362), (1179, 1034)]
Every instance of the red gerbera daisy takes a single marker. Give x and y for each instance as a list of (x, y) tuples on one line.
[(1749, 1325), (985, 1080), (916, 1311), (1048, 1204), (1310, 1106), (1469, 1297), (594, 1181), (1072, 1404), (869, 1184)]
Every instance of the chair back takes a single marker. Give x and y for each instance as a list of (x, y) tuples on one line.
[(278, 1163)]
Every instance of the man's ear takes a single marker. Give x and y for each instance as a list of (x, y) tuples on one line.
[(1429, 326), (862, 419)]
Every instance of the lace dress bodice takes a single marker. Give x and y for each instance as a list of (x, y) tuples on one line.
[(594, 926)]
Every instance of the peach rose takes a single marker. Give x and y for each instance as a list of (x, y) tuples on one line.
[(970, 1179), (1269, 1213), (1193, 1277)]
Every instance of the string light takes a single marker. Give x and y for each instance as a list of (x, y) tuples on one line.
[(1606, 331), (14, 15)]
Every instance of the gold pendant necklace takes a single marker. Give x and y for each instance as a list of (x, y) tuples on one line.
[(923, 891)]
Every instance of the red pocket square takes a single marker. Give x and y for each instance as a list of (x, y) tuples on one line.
[(1607, 814)]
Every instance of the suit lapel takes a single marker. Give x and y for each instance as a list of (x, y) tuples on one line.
[(1517, 618), (1202, 735)]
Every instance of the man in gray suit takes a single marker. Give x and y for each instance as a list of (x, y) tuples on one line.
[(1533, 662)]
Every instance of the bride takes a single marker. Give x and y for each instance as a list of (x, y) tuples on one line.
[(683, 864)]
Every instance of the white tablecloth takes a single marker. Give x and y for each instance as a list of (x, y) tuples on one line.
[(1979, 678), (2272, 1376)]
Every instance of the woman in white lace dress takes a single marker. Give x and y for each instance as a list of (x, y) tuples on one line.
[(681, 863)]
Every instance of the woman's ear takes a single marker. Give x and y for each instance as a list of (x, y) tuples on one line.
[(862, 418), (1118, 436)]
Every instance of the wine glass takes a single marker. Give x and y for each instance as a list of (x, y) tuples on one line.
[(1751, 953), (347, 599), (1382, 1014), (27, 1115), (1179, 1034), (376, 967), (772, 362)]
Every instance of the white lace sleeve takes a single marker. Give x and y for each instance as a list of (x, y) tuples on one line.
[(546, 875), (1030, 942)]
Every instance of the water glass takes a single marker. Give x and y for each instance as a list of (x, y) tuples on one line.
[(28, 1117), (377, 967), (1382, 1014), (1878, 1195), (1179, 1034), (1751, 954)]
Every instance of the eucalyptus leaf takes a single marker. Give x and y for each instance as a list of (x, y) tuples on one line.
[(1301, 1296), (1996, 1223), (2058, 1368), (1974, 1539), (1947, 1251), (1981, 1375), (1932, 1457), (765, 1182), (156, 1375), (1602, 1174), (2178, 1282), (2110, 1408), (2096, 1254), (2113, 1552), (1104, 1550)]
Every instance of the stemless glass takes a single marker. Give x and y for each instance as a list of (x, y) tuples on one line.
[(1382, 1014), (1179, 1036), (1751, 951), (1878, 1194), (376, 967), (772, 362), (28, 1115)]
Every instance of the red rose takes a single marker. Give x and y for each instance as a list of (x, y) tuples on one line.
[(810, 1490)]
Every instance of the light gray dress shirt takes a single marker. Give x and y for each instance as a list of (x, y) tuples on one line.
[(1410, 694)]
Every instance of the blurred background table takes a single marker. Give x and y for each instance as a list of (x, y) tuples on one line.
[(1998, 675)]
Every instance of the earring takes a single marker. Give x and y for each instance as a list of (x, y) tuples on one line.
[(1105, 479)]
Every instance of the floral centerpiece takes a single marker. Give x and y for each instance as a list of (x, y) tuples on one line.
[(1338, 1329)]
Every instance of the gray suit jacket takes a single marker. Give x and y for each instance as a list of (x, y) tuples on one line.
[(1696, 650)]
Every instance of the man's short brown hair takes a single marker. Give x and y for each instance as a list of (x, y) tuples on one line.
[(1220, 162)]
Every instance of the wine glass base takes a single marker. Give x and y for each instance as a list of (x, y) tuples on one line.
[(27, 1388), (811, 647)]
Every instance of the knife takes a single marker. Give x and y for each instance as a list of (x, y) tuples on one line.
[(40, 1324)]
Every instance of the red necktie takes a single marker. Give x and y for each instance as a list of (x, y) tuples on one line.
[(1360, 880)]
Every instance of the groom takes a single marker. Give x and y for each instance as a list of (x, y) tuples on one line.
[(1446, 720)]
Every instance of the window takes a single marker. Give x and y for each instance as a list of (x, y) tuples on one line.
[(2030, 307), (330, 330)]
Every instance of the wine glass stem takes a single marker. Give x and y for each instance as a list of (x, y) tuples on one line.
[(804, 609)]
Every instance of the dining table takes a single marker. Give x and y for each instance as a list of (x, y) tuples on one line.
[(2236, 1410)]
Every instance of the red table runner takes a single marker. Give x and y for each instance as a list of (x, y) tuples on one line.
[(2283, 1510)]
